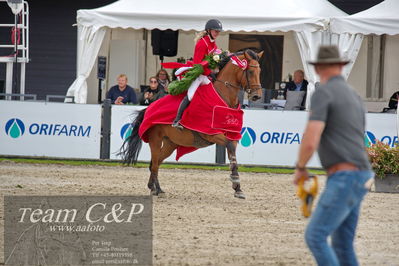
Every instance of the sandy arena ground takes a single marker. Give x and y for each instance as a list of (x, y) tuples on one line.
[(199, 222)]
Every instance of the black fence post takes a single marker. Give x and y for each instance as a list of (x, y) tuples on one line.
[(105, 129), (220, 154)]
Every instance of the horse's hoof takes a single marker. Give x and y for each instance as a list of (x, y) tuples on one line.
[(239, 195), (157, 192)]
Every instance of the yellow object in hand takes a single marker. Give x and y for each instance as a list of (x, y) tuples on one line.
[(307, 196)]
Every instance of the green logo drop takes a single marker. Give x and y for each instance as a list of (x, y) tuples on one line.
[(246, 140), (15, 130), (248, 137), (128, 133)]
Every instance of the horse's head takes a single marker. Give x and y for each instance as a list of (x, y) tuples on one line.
[(250, 77), (239, 71)]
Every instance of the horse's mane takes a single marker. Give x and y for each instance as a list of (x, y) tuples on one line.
[(225, 60)]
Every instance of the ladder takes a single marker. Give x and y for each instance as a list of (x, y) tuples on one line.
[(22, 56)]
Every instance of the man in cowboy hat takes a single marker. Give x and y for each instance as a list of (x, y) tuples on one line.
[(336, 128)]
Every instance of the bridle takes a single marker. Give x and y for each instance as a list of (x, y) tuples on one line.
[(248, 88)]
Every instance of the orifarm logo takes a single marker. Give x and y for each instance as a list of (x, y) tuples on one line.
[(15, 128), (248, 137), (126, 131), (370, 139), (267, 137)]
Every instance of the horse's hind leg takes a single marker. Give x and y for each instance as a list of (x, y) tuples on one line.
[(167, 149), (155, 146), (234, 176)]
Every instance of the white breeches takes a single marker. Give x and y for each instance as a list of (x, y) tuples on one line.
[(201, 80)]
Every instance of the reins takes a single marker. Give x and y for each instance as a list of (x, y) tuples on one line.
[(240, 87)]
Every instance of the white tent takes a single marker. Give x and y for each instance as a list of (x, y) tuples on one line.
[(380, 19), (308, 18), (237, 15)]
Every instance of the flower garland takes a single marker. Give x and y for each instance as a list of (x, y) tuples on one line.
[(179, 86)]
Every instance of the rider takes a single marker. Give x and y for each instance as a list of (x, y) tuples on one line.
[(205, 44)]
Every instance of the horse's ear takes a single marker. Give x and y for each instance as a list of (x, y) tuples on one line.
[(260, 54), (246, 55)]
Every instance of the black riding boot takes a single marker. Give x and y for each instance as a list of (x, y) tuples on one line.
[(183, 105)]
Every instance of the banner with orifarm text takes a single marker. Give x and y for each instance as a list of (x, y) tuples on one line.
[(381, 127), (273, 137), (50, 129)]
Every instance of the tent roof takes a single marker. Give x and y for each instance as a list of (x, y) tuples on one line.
[(236, 15), (380, 19)]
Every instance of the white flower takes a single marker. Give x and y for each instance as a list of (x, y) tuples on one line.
[(216, 58)]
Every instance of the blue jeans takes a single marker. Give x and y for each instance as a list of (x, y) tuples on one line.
[(337, 215)]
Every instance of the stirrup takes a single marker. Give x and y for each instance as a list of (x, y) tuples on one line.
[(177, 125)]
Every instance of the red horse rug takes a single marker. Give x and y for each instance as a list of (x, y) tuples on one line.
[(207, 113)]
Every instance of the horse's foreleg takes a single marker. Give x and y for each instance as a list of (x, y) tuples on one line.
[(231, 151), (234, 176)]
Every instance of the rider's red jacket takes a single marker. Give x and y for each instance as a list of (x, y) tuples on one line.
[(203, 47)]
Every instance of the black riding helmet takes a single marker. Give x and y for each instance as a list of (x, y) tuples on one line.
[(213, 24)]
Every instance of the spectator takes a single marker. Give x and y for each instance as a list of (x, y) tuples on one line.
[(161, 93), (297, 84), (393, 101), (122, 93), (392, 104), (150, 94), (163, 83), (163, 80), (336, 127)]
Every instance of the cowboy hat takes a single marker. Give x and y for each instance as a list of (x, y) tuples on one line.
[(329, 54)]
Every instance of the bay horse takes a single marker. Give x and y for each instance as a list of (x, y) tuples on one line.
[(164, 139)]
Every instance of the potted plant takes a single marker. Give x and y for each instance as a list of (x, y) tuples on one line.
[(385, 163)]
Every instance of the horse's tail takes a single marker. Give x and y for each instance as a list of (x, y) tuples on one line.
[(132, 145)]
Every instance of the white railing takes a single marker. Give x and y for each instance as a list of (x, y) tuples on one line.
[(20, 56)]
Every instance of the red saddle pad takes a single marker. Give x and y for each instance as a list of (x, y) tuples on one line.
[(227, 119)]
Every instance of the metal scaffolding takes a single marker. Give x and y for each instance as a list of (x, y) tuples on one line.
[(21, 50)]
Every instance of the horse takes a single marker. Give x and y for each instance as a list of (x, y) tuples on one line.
[(164, 139)]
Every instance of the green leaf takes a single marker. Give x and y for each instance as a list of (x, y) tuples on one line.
[(179, 86)]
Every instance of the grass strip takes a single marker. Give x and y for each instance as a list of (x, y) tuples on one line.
[(242, 168)]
